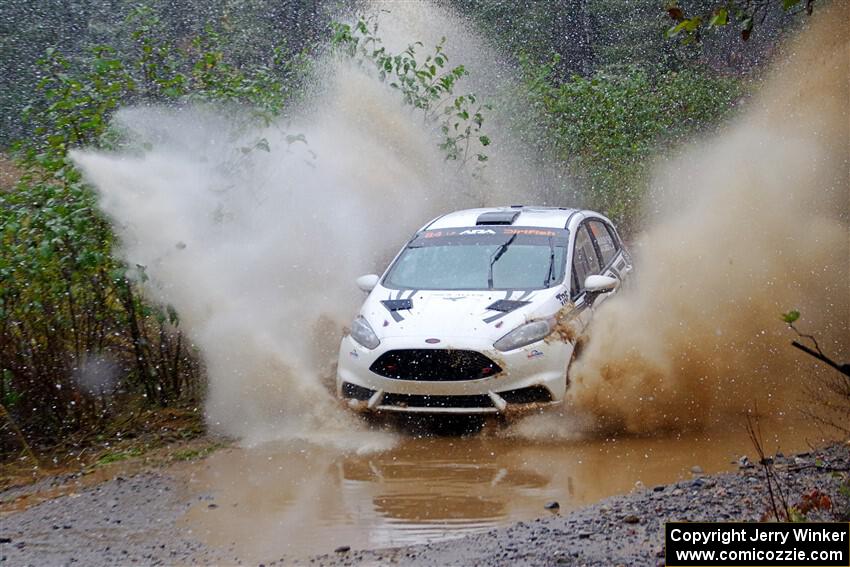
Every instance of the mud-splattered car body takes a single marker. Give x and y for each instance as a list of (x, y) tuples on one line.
[(479, 313)]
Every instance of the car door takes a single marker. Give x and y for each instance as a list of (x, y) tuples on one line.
[(585, 263), (610, 253)]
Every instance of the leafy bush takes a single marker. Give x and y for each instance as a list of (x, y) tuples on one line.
[(608, 127), (75, 330), (260, 30)]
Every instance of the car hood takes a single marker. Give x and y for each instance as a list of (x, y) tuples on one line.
[(456, 314)]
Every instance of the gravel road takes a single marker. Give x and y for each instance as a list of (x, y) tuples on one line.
[(624, 530), (119, 522), (135, 521)]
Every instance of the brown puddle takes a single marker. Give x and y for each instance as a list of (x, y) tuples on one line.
[(298, 500)]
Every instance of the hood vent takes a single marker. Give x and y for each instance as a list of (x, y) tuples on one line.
[(398, 304), (506, 305), (497, 217)]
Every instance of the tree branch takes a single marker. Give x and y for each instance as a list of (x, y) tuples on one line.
[(843, 368)]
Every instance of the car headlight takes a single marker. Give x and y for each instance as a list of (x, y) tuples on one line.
[(362, 332), (523, 335)]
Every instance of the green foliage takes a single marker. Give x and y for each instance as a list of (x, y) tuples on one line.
[(743, 13), (608, 127), (67, 306), (118, 456), (9, 397), (66, 302), (791, 317), (197, 453), (56, 290), (428, 85), (252, 33), (261, 88), (75, 108)]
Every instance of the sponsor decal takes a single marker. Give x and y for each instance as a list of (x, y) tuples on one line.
[(563, 297), (531, 231), (354, 354), (534, 354), (502, 230), (438, 233)]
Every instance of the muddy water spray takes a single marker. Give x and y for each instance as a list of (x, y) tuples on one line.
[(763, 229), (258, 250)]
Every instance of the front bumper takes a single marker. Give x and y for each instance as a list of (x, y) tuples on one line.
[(532, 377)]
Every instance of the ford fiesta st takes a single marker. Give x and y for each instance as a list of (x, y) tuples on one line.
[(479, 312)]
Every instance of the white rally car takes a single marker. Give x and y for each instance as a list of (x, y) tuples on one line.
[(480, 311)]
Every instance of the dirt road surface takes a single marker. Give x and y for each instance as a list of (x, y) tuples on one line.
[(140, 520)]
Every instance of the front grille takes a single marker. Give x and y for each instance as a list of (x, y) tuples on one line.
[(438, 365), (528, 395), (416, 401), (357, 392)]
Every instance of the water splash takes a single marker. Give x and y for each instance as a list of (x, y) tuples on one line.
[(748, 225), (258, 250)]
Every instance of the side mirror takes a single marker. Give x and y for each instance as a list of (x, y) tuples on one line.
[(367, 283), (600, 284)]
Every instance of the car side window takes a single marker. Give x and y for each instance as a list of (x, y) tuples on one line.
[(585, 260), (604, 240)]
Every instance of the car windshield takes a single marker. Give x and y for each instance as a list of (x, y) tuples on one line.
[(480, 258)]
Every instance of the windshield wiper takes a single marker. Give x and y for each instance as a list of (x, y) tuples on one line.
[(495, 258), (550, 275)]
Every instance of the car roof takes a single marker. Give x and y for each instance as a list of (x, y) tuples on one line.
[(549, 217)]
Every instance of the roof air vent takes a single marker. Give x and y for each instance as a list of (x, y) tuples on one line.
[(497, 217)]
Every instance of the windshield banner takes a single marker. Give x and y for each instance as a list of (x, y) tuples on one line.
[(490, 234)]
